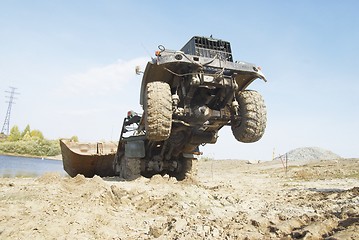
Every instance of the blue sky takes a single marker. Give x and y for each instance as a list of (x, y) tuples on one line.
[(73, 64)]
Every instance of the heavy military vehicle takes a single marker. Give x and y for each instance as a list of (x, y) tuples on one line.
[(187, 96)]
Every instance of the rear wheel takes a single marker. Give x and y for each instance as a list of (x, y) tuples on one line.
[(158, 111), (130, 168), (253, 117), (188, 168)]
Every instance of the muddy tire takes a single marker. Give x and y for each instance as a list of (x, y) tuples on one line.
[(130, 168), (158, 111), (188, 169), (253, 117)]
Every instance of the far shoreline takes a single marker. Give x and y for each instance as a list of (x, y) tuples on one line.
[(56, 158)]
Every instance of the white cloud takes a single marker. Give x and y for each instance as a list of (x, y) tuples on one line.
[(104, 80)]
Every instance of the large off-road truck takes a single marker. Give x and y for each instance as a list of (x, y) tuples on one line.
[(187, 97)]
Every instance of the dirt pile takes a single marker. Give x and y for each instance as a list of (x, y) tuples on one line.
[(228, 200), (309, 154)]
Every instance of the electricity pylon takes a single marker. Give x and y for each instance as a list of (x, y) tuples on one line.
[(5, 128)]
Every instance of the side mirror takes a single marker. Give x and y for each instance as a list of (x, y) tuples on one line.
[(138, 70)]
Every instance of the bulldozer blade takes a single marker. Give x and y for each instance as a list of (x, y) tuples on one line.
[(88, 159)]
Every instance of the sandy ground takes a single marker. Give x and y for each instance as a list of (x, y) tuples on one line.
[(227, 200)]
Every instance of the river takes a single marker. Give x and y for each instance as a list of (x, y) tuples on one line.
[(11, 166)]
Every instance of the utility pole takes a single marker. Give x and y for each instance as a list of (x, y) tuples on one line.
[(5, 128)]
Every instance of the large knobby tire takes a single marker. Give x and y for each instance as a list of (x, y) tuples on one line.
[(188, 169), (253, 117), (130, 168), (158, 111)]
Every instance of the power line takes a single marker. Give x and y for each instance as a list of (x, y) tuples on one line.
[(5, 128)]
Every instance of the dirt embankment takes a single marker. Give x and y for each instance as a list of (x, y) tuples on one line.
[(228, 200)]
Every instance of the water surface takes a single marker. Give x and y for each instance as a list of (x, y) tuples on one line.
[(11, 166)]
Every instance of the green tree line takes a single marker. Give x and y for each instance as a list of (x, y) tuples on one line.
[(29, 142)]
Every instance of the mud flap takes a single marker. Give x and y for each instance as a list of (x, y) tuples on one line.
[(135, 149)]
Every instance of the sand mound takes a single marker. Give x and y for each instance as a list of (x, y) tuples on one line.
[(310, 154), (49, 178)]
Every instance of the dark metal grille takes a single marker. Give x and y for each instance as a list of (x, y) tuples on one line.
[(209, 47)]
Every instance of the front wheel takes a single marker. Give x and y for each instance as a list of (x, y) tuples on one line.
[(252, 120), (158, 111)]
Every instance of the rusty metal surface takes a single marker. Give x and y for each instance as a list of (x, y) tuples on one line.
[(88, 159)]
